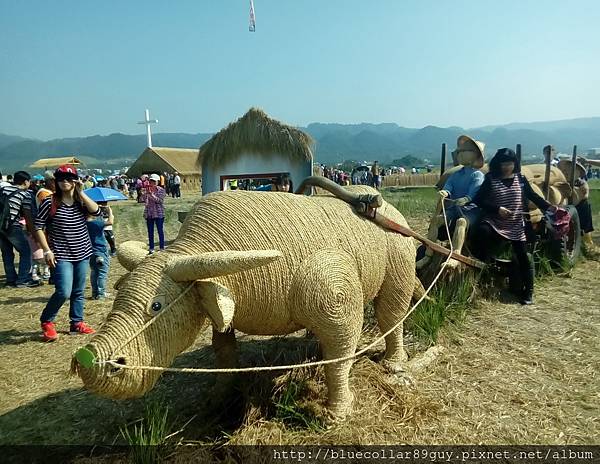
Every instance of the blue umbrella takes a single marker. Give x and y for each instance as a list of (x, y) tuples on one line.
[(38, 177), (104, 194), (98, 178)]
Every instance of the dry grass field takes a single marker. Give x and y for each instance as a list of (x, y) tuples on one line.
[(509, 374)]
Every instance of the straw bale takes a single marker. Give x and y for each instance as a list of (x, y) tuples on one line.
[(555, 196), (535, 174), (331, 263)]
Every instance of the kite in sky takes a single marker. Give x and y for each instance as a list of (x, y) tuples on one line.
[(252, 27)]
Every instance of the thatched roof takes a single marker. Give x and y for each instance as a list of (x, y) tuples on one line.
[(186, 161), (255, 132), (49, 163)]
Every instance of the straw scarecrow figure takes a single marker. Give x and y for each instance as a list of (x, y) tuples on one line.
[(584, 208), (459, 186), (263, 264)]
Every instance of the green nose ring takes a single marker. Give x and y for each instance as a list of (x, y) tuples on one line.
[(85, 358)]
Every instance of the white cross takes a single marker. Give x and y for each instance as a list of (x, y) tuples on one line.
[(147, 121)]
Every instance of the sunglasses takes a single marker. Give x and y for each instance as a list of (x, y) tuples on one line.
[(66, 179)]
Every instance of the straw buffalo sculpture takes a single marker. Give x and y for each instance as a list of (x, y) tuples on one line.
[(263, 264)]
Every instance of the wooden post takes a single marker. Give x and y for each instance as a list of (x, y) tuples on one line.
[(443, 160), (548, 160), (518, 151), (572, 176)]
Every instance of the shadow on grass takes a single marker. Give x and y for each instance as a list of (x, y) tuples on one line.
[(26, 299), (16, 337), (76, 416)]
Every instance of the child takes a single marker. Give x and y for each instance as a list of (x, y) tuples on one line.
[(109, 219), (100, 259), (45, 190), (39, 269)]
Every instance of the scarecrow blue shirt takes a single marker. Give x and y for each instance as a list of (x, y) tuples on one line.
[(464, 183)]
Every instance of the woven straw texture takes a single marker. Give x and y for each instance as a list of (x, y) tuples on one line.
[(331, 263)]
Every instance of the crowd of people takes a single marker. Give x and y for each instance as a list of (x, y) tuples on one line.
[(62, 236), (135, 188), (170, 183), (60, 233), (372, 176), (360, 175), (279, 183)]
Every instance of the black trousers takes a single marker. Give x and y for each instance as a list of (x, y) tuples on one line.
[(110, 238), (486, 235), (584, 209)]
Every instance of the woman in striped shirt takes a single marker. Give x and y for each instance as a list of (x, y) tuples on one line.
[(68, 248), (504, 197)]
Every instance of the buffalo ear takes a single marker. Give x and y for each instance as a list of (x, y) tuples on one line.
[(218, 303), (131, 253)]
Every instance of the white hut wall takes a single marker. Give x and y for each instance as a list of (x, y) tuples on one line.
[(252, 164)]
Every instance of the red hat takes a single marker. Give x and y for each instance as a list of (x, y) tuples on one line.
[(66, 170)]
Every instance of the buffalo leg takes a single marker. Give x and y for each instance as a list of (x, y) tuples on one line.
[(226, 356), (326, 298), (391, 304)]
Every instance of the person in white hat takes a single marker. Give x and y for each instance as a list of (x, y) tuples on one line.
[(154, 212)]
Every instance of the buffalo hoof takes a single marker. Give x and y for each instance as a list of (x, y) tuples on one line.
[(397, 364), (340, 410), (403, 379)]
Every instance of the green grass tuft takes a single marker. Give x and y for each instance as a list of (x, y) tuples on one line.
[(411, 202), (290, 412), (149, 436), (449, 305)]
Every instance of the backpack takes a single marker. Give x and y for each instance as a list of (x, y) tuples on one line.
[(5, 216)]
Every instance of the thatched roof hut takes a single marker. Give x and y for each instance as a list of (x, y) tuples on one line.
[(185, 161), (53, 163), (255, 146)]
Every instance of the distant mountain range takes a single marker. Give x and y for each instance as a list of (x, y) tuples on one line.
[(334, 142)]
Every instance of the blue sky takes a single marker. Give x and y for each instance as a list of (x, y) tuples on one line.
[(75, 68)]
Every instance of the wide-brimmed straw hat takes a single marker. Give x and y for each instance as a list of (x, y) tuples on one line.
[(565, 167), (466, 141)]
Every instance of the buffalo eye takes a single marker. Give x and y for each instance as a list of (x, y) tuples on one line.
[(157, 305)]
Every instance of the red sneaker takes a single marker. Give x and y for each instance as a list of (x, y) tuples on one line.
[(49, 332), (81, 328)]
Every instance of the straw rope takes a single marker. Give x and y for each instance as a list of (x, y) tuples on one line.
[(116, 364)]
